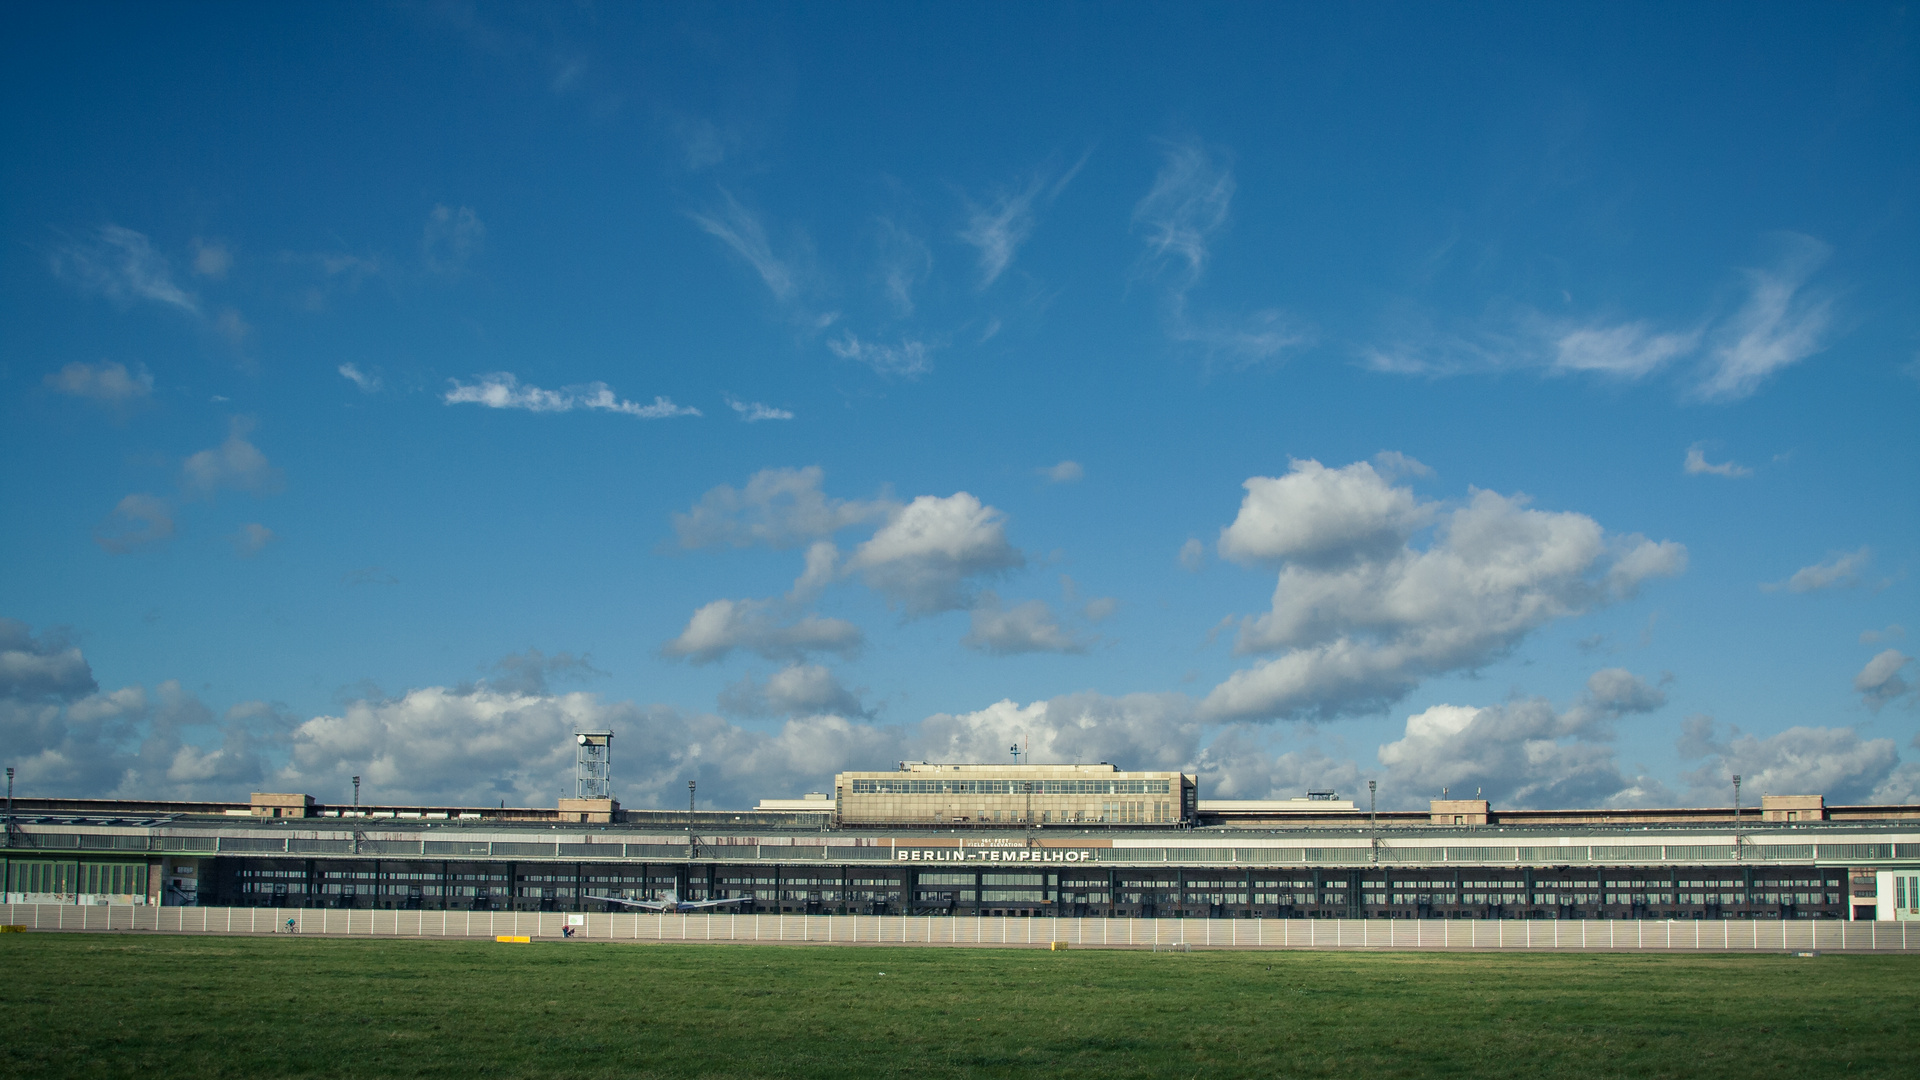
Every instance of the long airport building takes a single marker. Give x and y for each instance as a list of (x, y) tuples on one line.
[(1019, 840)]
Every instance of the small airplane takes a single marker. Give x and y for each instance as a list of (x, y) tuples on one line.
[(674, 903)]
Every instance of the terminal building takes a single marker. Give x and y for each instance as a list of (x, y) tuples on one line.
[(974, 839)]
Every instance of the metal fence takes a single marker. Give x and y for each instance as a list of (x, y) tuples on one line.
[(1509, 935)]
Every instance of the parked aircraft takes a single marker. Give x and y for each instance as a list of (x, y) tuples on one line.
[(674, 903)]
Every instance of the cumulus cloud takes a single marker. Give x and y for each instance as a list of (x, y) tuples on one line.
[(1698, 465), (795, 690), (235, 463), (136, 521), (908, 360), (481, 746), (1024, 628), (1779, 325), (368, 382), (1136, 731), (452, 238), (123, 266), (66, 736), (778, 508), (1524, 753), (106, 382), (1840, 572), (502, 390), (721, 627), (1835, 762), (1880, 683), (736, 226), (45, 667), (923, 557), (753, 412), (1315, 514), (1360, 614), (1065, 472)]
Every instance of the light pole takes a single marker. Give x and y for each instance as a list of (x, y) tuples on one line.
[(356, 793), (9, 806), (1373, 818), (689, 826), (1736, 800)]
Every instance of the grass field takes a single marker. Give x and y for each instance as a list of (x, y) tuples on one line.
[(75, 1005)]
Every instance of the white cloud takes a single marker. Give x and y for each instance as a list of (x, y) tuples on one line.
[(211, 258), (1315, 514), (1136, 731), (1839, 572), (908, 360), (1241, 340), (779, 508), (1777, 327), (106, 382), (1193, 554), (1835, 762), (137, 520), (367, 382), (47, 667), (1000, 227), (1187, 205), (533, 671), (723, 626), (795, 690), (1360, 615), (252, 539), (735, 226), (922, 557), (1524, 753), (1024, 628), (502, 390), (1626, 350), (905, 260), (1100, 608), (1698, 465), (453, 236), (823, 564), (478, 746), (122, 265), (1874, 637), (1393, 464), (753, 411), (1880, 683), (235, 463), (1064, 473)]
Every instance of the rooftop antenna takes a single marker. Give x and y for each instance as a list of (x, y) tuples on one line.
[(9, 806), (1736, 800), (689, 822), (593, 770), (1015, 751), (356, 793)]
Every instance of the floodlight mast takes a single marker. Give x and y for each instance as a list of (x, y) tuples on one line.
[(593, 769)]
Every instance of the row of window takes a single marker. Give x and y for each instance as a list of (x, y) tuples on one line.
[(117, 879), (1012, 787)]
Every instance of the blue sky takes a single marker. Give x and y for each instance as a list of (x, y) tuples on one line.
[(1492, 398)]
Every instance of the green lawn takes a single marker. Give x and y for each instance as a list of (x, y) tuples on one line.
[(130, 1005)]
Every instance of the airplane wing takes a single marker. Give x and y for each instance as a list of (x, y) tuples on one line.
[(650, 905), (691, 905)]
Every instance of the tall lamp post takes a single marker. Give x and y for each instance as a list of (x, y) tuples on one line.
[(356, 793), (1373, 817)]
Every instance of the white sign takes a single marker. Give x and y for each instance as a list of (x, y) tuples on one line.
[(1027, 855)]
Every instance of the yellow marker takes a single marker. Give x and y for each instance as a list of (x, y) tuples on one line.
[(1057, 946), (521, 939), (13, 928)]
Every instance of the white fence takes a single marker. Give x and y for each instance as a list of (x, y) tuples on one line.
[(1515, 935)]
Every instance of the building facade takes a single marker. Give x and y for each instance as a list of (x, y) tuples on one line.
[(1277, 861), (925, 793)]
